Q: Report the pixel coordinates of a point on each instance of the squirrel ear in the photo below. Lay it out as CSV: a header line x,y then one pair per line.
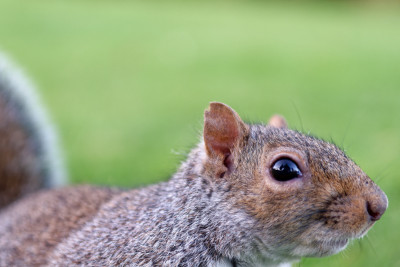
x,y
278,121
223,129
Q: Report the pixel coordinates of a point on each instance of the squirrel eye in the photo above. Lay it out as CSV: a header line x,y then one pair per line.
x,y
285,169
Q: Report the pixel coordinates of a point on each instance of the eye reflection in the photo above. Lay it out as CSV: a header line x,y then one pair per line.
x,y
285,169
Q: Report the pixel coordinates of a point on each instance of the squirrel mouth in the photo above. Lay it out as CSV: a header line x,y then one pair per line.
x,y
339,243
322,248
335,245
329,247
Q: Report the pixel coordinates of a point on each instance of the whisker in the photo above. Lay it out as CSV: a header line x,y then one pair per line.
x,y
298,115
346,131
360,244
300,263
371,245
384,172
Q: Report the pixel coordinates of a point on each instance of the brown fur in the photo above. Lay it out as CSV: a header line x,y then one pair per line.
x,y
18,160
51,217
222,206
29,158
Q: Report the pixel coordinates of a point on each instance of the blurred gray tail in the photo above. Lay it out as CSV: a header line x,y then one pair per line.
x,y
29,153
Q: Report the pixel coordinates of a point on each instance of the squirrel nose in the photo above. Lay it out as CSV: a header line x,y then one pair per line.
x,y
376,206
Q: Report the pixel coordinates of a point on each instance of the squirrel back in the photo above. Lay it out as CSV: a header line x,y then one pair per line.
x,y
29,156
247,195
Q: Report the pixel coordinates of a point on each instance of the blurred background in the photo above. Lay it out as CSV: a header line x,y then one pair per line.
x,y
126,83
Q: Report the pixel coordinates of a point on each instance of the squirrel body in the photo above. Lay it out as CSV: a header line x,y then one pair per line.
x,y
247,195
29,154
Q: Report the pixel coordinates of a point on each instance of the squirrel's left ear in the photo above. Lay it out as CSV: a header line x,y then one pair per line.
x,y
223,130
278,121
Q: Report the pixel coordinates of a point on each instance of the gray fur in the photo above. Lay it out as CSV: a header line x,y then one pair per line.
x,y
216,210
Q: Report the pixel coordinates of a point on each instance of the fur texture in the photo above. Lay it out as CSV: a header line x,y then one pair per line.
x,y
29,155
223,207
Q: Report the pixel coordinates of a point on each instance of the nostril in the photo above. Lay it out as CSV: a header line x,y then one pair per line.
x,y
375,211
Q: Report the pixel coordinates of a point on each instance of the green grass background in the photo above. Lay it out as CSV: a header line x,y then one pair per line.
x,y
126,83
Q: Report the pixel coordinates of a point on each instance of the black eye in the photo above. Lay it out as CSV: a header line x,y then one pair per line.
x,y
285,170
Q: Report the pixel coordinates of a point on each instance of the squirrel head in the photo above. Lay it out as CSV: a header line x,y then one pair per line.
x,y
304,196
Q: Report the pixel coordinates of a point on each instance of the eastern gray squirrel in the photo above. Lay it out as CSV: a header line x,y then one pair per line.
x,y
247,195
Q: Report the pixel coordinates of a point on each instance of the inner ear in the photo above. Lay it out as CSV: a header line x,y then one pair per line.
x,y
228,163
278,121
223,130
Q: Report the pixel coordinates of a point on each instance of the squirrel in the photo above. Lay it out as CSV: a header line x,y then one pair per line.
x,y
29,155
247,195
